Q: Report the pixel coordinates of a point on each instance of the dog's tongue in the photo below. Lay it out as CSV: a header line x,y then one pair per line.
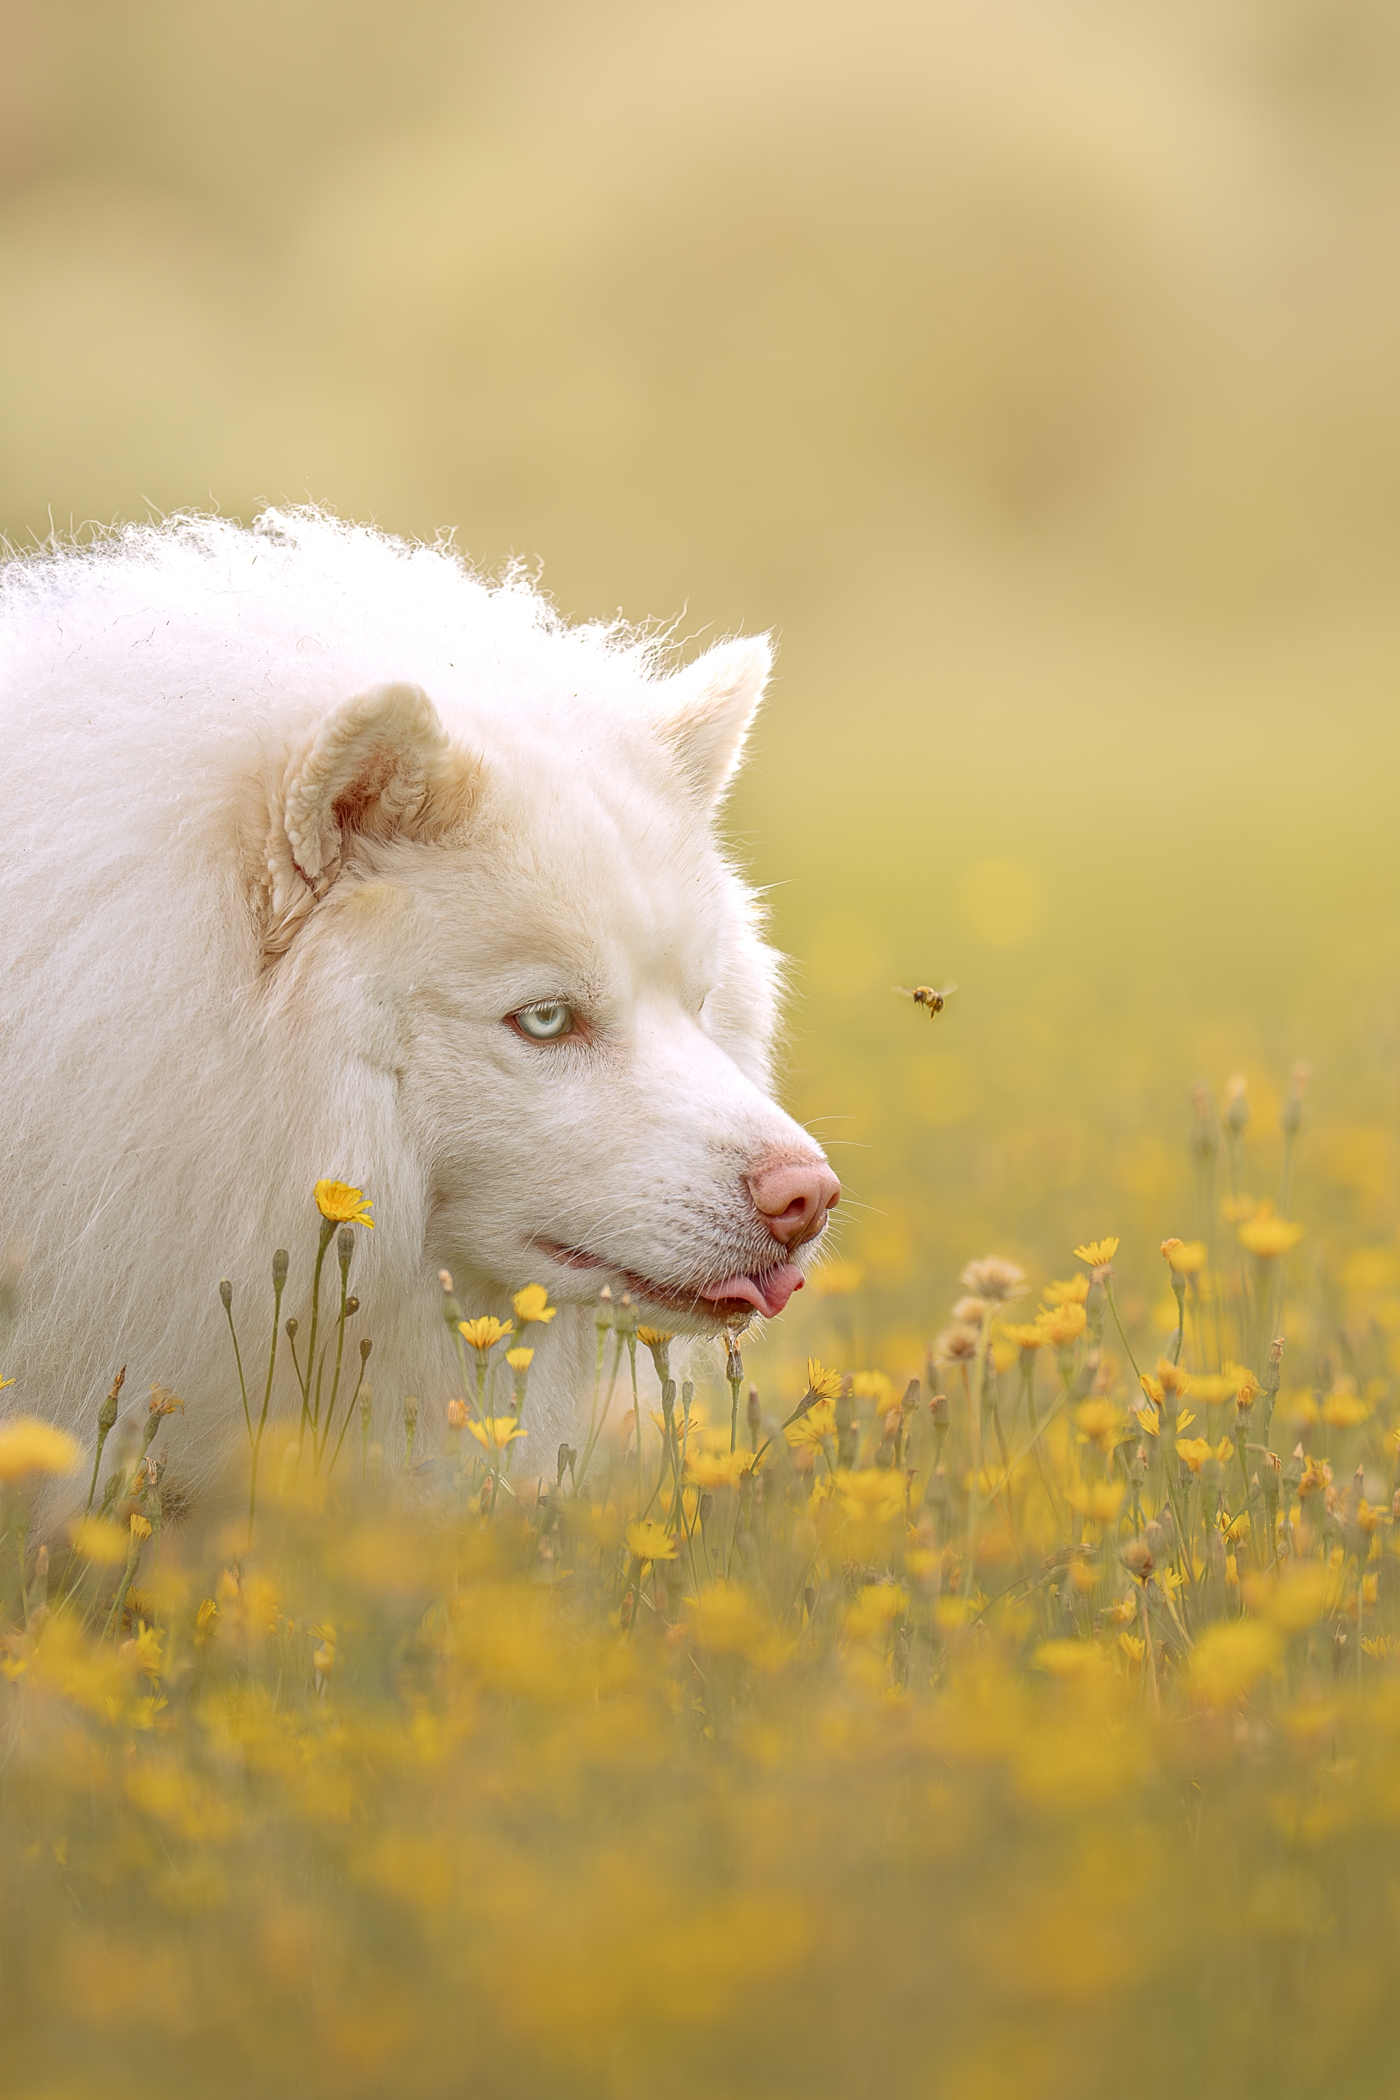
x,y
767,1293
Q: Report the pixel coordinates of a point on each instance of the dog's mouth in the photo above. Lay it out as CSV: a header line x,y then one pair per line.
x,y
765,1291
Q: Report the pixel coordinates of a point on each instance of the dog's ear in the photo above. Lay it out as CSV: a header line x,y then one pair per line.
x,y
379,766
707,710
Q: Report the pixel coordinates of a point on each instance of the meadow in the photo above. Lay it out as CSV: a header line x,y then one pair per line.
x,y
1028,1724
1004,1702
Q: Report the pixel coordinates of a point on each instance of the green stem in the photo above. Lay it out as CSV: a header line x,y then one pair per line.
x,y
595,1433
339,1356
279,1279
327,1230
238,1359
1118,1323
636,1413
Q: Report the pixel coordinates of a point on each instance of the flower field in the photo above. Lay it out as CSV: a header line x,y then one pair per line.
x,y
1025,1724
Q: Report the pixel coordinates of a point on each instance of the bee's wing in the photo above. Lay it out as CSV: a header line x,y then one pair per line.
x,y
946,991
905,991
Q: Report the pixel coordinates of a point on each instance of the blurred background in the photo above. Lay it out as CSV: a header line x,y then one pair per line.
x,y
1028,366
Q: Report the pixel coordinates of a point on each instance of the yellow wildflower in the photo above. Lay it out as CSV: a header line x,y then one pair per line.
x,y
712,1469
532,1305
143,1651
1317,1477
826,1384
1194,1450
484,1333
1268,1236
1170,1377
649,1337
140,1528
1123,1610
1068,1659
818,1422
1133,1646
1032,1337
876,1386
1062,1325
879,1492
456,1414
497,1431
649,1541
1146,1418
1215,1386
1099,1422
726,1620
837,1279
1099,1500
100,1541
1097,1253
1184,1257
1068,1290
1344,1410
1231,1656
520,1359
28,1445
876,1606
339,1204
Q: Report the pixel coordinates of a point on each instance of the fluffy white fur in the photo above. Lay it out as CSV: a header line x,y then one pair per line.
x,y
295,817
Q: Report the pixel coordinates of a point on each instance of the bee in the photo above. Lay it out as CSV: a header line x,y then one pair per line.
x,y
924,995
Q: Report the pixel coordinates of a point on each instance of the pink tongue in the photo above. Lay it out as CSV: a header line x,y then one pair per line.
x,y
768,1293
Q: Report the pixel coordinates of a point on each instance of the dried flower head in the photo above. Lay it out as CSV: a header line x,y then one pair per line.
x,y
456,1414
994,1279
1136,1557
340,1204
956,1345
971,1312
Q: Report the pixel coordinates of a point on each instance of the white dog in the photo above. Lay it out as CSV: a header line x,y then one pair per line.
x,y
323,858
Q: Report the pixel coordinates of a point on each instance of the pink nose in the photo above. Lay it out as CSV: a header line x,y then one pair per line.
x,y
793,1198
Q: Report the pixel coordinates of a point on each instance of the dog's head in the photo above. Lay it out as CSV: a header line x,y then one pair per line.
x,y
528,925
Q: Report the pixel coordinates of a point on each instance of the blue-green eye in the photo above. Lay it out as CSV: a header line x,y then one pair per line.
x,y
546,1022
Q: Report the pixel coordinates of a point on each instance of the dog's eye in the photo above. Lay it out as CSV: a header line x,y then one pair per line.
x,y
546,1022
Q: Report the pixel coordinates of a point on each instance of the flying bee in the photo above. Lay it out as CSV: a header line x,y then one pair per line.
x,y
924,995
